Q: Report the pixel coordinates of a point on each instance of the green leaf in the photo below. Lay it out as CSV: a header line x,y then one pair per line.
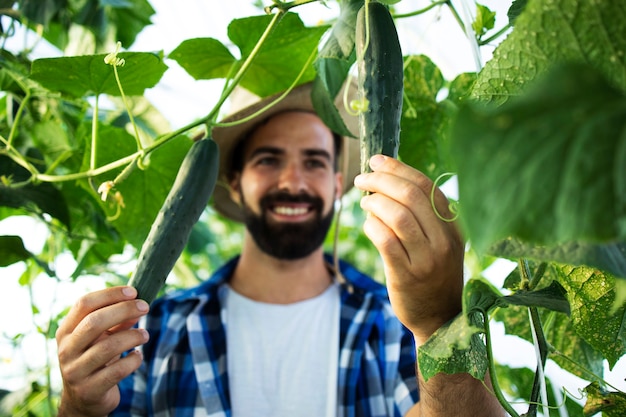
x,y
553,157
337,54
323,101
609,257
274,69
484,21
143,191
581,356
454,348
45,196
12,250
80,76
517,7
282,57
556,31
551,297
128,18
40,11
479,295
591,295
610,403
425,122
204,58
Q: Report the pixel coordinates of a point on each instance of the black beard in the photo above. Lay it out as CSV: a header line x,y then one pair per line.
x,y
287,241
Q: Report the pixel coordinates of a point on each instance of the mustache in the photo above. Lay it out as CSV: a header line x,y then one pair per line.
x,y
286,197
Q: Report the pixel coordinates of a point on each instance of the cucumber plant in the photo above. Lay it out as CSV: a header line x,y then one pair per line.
x,y
47,113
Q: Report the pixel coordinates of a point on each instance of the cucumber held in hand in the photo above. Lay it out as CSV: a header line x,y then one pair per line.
x,y
182,208
380,82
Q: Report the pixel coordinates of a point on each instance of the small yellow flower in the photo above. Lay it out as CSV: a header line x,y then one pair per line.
x,y
104,189
112,59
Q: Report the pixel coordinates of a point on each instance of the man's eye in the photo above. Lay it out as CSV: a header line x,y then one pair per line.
x,y
267,160
316,163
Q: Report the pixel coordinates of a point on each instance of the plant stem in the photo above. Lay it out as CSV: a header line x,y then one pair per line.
x,y
492,370
285,7
16,120
456,15
127,107
93,171
421,11
120,162
495,36
244,67
542,346
94,134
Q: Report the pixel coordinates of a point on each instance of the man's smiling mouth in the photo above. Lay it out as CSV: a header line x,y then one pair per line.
x,y
290,210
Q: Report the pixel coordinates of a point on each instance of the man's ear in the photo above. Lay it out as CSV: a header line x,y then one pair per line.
x,y
235,188
338,185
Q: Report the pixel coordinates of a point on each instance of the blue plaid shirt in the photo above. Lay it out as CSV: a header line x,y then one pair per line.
x,y
184,369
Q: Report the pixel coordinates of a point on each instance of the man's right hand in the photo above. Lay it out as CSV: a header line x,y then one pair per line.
x,y
91,340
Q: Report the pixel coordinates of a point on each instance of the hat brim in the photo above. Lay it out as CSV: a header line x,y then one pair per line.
x,y
299,99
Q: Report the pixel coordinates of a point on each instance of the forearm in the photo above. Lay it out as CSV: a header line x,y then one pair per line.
x,y
457,395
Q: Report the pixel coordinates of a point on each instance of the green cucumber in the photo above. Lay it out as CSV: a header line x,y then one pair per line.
x,y
380,82
182,208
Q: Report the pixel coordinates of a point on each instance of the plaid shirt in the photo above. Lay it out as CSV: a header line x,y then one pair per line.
x,y
184,369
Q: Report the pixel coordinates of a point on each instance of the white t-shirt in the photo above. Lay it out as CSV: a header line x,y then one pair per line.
x,y
282,359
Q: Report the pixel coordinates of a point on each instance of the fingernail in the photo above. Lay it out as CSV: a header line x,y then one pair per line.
x,y
376,161
144,334
142,305
129,292
358,180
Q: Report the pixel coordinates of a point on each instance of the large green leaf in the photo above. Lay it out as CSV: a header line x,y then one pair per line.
x,y
546,167
144,190
454,348
426,120
204,58
12,250
561,335
278,63
560,30
44,197
609,257
80,76
610,403
591,296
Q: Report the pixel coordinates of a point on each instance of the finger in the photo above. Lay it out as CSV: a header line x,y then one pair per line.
x,y
386,241
100,387
102,320
92,302
106,351
399,220
414,190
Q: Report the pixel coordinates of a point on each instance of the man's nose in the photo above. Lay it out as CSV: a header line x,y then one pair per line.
x,y
292,179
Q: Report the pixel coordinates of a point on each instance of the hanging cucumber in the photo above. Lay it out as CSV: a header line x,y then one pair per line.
x,y
380,82
182,208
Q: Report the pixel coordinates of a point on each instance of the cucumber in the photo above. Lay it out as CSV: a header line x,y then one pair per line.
x,y
182,208
380,82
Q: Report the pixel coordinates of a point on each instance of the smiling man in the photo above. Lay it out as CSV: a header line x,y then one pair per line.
x,y
277,331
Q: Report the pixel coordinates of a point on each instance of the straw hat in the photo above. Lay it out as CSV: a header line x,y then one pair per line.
x,y
244,104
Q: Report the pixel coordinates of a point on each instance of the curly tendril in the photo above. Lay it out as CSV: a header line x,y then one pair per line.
x,y
453,206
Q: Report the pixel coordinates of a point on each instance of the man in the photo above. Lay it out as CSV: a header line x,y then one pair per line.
x,y
277,331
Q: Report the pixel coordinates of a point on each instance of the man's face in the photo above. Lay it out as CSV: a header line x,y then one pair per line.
x,y
288,184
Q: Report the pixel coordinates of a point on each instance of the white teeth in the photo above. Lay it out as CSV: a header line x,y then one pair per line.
x,y
290,211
